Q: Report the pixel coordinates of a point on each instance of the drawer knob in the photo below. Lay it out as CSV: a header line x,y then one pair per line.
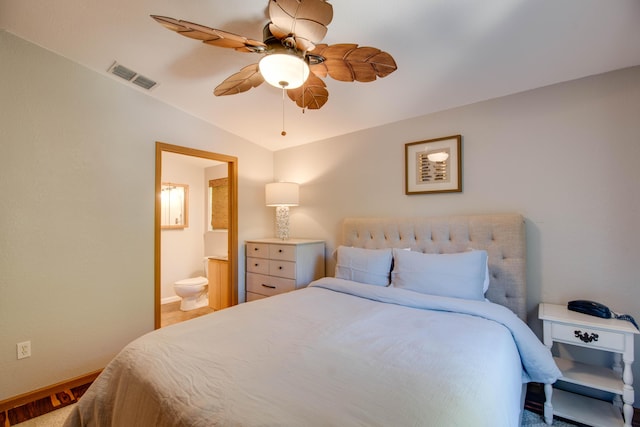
x,y
257,264
268,286
255,249
586,337
279,267
280,250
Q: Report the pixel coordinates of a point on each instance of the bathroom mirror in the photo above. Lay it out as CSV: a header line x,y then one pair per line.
x,y
174,205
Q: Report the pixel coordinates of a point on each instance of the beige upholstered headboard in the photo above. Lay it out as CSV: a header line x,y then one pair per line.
x,y
501,235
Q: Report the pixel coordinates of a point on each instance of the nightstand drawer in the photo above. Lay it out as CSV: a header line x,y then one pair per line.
x,y
268,285
282,252
282,269
588,337
258,265
258,250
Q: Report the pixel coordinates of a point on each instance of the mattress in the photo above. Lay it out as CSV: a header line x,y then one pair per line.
x,y
337,353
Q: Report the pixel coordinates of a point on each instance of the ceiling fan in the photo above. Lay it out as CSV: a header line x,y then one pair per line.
x,y
293,60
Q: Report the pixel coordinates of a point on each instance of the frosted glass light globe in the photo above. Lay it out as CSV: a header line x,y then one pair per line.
x,y
284,70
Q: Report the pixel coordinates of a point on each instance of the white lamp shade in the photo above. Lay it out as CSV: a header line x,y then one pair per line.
x,y
284,70
282,194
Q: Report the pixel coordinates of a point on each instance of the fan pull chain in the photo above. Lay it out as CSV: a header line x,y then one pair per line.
x,y
304,107
283,133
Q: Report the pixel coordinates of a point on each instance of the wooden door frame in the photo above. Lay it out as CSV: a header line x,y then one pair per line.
x,y
232,172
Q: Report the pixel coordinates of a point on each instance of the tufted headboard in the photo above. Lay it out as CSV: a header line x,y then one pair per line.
x,y
501,235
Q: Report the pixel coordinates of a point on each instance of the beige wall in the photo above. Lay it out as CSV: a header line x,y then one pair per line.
x,y
77,167
565,156
77,179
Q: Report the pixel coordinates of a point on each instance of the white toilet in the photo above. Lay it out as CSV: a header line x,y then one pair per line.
x,y
193,291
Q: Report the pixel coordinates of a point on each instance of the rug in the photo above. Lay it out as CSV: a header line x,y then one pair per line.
x,y
57,417
34,411
531,419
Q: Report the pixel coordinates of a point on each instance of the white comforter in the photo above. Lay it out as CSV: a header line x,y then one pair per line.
x,y
337,353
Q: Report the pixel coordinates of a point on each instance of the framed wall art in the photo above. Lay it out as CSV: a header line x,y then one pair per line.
x,y
433,166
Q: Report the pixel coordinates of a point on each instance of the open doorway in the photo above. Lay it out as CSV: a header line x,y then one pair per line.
x,y
230,285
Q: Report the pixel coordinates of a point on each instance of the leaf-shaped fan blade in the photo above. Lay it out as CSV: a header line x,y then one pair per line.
x,y
210,35
348,62
302,44
312,95
307,20
241,81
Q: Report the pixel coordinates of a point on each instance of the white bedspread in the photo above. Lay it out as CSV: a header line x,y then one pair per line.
x,y
322,356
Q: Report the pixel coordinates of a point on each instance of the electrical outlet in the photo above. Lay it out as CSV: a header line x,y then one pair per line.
x,y
23,349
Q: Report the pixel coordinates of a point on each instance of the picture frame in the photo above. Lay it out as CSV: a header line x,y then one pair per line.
x,y
433,165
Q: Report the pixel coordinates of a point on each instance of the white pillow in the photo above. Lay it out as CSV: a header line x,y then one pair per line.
x,y
371,266
487,278
459,275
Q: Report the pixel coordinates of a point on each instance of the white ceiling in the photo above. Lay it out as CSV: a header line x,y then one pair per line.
x,y
449,53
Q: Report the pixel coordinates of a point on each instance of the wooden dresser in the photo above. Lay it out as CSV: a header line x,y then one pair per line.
x,y
275,266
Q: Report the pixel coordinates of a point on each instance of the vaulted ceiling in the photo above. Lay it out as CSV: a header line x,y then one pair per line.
x,y
449,53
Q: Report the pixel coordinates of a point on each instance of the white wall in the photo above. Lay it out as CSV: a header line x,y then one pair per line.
x,y
565,156
77,167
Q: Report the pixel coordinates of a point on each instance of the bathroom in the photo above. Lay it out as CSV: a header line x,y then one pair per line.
x,y
188,238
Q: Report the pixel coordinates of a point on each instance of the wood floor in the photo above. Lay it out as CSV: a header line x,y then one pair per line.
x,y
57,400
170,313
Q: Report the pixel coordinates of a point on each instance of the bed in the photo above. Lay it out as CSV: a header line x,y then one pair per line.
x,y
422,325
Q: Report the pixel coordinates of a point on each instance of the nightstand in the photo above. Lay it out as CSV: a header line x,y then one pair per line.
x,y
275,266
610,335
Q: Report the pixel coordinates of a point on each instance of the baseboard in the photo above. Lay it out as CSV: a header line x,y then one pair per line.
x,y
168,300
41,393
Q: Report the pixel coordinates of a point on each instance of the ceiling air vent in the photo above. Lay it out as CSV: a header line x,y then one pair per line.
x,y
131,76
143,82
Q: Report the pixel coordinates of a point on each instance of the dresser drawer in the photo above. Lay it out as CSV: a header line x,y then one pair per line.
x,y
258,265
282,252
282,269
258,250
268,285
588,337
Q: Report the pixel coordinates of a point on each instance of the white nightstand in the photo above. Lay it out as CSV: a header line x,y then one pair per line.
x,y
611,335
275,266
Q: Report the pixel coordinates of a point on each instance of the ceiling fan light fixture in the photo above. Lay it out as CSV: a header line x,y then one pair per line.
x,y
284,69
291,50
